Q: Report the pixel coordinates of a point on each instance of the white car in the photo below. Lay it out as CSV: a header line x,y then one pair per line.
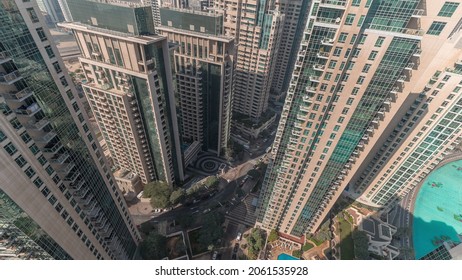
x,y
215,254
239,236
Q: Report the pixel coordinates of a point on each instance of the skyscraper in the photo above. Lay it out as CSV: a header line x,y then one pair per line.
x,y
256,27
295,14
203,66
58,198
355,68
129,86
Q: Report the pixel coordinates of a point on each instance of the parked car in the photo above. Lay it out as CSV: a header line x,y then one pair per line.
x,y
236,247
214,256
239,236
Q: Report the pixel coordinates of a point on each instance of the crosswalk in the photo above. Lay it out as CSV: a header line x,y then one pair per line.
x,y
244,212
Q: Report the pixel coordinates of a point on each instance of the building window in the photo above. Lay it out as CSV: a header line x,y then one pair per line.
x,y
33,16
373,55
361,20
10,149
25,137
436,28
349,19
42,160
38,182
49,51
15,123
342,37
34,149
379,41
356,3
2,136
20,161
57,67
63,81
30,172
448,9
41,34
366,68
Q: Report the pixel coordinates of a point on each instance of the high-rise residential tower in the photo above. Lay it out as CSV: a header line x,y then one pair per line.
x,y
58,198
203,75
360,65
256,27
295,14
129,86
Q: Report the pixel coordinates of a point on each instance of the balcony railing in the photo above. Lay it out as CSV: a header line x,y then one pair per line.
x,y
10,77
20,95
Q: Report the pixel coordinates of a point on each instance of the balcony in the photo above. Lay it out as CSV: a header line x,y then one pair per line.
x,y
417,53
4,57
20,96
68,169
28,110
47,137
78,186
314,79
37,124
72,177
410,66
331,22
418,13
60,158
311,89
401,30
52,148
327,42
304,108
323,55
333,4
10,78
319,67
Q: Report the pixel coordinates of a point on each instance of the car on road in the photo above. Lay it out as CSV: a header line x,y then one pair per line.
x,y
214,256
195,212
234,257
236,247
206,211
239,236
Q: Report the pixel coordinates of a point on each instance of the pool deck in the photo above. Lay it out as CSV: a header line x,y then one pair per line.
x,y
409,202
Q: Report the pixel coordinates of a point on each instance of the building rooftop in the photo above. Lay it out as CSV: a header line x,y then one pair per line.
x,y
125,174
140,39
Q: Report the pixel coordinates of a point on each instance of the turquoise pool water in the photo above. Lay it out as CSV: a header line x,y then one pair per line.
x,y
285,257
438,209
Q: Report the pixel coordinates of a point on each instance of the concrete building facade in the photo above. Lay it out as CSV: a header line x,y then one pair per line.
x,y
129,87
58,198
203,67
256,27
359,66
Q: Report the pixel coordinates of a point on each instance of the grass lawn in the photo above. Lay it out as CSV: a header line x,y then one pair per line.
x,y
307,246
316,241
346,243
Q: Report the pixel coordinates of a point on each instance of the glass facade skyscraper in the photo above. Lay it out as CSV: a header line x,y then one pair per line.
x,y
128,83
356,71
53,174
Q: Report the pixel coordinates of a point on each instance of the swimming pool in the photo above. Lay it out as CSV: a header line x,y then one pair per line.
x,y
438,209
286,257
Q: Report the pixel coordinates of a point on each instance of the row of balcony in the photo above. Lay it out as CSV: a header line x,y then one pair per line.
x,y
10,78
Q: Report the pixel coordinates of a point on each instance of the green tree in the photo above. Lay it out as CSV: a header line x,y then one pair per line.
x,y
273,236
154,247
159,192
297,253
211,230
185,221
361,245
211,181
254,174
177,196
